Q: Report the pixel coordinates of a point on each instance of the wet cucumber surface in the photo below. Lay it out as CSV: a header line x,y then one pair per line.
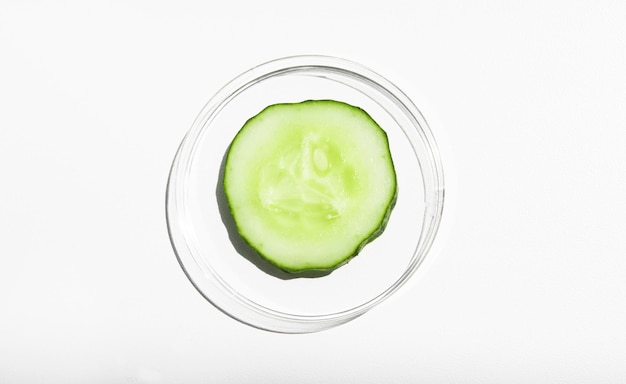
x,y
309,184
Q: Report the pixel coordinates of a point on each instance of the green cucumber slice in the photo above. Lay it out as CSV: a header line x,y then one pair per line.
x,y
309,184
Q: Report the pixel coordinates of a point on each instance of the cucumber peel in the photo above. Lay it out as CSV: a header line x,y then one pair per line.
x,y
309,184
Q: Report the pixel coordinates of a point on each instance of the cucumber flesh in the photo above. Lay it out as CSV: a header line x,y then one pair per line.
x,y
309,184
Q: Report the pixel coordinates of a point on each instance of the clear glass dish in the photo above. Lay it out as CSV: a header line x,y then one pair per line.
x,y
202,233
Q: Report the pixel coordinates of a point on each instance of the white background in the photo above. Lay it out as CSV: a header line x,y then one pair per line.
x,y
527,283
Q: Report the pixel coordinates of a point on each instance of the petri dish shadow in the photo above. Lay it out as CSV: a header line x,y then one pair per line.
x,y
242,247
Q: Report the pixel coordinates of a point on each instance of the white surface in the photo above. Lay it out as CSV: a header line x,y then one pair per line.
x,y
528,101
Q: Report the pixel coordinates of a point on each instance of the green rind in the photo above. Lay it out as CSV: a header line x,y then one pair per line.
x,y
364,240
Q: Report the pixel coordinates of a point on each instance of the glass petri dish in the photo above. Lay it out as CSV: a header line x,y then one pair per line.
x,y
216,260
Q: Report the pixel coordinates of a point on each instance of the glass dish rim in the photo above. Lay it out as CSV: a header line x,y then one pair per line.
x,y
244,309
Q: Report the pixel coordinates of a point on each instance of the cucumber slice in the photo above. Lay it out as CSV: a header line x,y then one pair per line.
x,y
310,184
